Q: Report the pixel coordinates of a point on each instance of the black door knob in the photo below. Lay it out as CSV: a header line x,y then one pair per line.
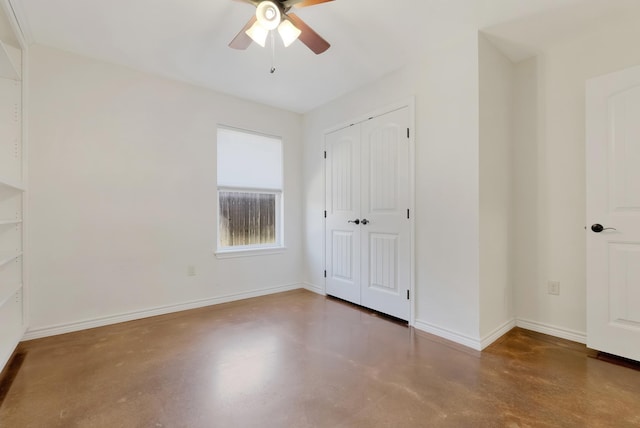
x,y
365,221
597,228
356,221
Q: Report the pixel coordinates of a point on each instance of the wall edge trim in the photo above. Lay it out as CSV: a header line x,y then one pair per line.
x,y
498,333
444,333
314,288
552,330
58,329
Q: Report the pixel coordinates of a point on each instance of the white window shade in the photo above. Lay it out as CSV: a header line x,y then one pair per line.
x,y
249,160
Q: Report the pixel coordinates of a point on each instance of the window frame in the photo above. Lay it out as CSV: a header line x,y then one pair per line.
x,y
256,249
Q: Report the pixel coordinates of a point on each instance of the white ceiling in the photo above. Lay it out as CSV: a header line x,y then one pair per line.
x,y
188,39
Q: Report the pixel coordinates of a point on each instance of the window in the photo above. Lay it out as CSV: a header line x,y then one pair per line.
x,y
249,191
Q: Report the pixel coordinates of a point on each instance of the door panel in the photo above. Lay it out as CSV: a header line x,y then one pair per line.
x,y
386,237
624,269
342,255
341,169
342,241
624,111
613,200
383,266
383,169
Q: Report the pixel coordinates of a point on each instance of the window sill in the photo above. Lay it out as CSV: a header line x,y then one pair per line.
x,y
249,252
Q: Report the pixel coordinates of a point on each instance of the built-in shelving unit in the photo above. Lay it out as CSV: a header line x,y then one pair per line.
x,y
10,62
11,184
12,192
7,258
3,222
8,291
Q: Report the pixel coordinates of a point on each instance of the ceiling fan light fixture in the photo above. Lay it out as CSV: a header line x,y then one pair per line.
x,y
288,32
275,14
268,15
258,33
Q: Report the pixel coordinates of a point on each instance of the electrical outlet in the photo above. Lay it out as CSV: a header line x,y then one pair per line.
x,y
553,287
191,271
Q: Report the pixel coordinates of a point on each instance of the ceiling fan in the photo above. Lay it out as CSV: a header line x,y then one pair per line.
x,y
274,14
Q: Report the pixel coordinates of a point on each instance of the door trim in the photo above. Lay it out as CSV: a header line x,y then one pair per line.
x,y
408,103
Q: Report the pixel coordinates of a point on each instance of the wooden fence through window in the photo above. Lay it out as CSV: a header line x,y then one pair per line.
x,y
247,218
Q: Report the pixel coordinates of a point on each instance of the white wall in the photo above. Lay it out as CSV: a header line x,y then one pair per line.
x,y
462,277
123,192
496,214
551,174
527,157
122,186
445,86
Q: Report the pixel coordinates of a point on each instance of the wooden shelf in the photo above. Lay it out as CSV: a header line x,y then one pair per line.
x,y
7,257
9,62
12,184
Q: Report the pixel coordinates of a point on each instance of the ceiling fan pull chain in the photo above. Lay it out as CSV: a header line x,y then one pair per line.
x,y
273,54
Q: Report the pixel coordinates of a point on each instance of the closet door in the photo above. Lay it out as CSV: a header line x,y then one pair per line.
x,y
385,241
342,230
368,231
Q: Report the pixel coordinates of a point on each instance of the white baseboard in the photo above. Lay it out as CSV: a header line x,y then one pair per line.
x,y
314,288
453,336
6,357
54,330
552,330
497,333
470,342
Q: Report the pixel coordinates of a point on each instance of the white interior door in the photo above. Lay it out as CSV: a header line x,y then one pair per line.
x,y
368,230
613,201
342,233
385,225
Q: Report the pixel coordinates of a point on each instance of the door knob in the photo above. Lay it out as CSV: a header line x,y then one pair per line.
x,y
597,228
356,221
365,221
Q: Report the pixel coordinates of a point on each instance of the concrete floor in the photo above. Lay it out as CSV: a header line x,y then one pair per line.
x,y
301,360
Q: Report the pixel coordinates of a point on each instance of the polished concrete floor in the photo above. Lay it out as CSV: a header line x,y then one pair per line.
x,y
301,360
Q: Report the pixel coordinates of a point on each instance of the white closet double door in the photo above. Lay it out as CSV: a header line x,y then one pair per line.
x,y
368,230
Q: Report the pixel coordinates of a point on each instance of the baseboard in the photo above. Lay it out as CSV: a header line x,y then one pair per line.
x,y
497,333
4,359
41,332
563,333
314,288
453,336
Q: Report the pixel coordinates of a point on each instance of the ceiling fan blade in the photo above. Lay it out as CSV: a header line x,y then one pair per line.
x,y
309,37
242,41
302,3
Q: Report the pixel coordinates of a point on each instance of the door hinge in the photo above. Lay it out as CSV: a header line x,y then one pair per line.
x,y
407,294
408,215
407,132
325,213
325,273
325,154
